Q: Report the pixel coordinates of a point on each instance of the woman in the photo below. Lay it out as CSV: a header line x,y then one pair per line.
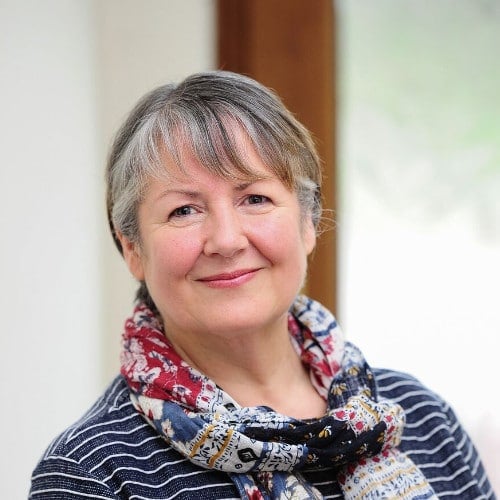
x,y
232,385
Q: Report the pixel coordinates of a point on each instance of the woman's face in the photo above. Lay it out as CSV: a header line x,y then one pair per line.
x,y
220,257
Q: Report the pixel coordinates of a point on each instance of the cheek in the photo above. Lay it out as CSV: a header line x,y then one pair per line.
x,y
280,240
171,257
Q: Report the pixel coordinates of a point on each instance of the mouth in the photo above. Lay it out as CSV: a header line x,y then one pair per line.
x,y
229,280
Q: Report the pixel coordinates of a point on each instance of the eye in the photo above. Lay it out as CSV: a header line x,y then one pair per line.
x,y
257,199
183,211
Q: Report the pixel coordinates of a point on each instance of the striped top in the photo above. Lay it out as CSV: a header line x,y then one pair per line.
x,y
112,453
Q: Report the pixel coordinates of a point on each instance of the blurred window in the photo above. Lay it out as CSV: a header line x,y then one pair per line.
x,y
419,212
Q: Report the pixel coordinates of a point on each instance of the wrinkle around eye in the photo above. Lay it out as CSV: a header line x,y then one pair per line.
x,y
258,204
183,211
184,215
257,199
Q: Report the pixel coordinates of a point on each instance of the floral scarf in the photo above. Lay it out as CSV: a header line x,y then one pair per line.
x,y
262,450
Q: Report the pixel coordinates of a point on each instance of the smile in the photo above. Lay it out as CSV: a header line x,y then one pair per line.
x,y
229,280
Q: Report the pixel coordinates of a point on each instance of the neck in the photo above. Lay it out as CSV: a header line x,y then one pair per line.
x,y
257,369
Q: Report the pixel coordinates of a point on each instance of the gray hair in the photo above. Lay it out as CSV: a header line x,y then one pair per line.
x,y
201,114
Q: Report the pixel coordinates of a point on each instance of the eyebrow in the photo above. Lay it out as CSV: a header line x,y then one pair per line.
x,y
194,194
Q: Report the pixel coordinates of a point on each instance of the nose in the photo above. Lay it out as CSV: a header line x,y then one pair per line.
x,y
225,234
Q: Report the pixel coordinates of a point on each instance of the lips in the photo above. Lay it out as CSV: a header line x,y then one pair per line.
x,y
229,279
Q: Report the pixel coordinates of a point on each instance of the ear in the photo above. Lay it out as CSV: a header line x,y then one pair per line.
x,y
133,256
309,235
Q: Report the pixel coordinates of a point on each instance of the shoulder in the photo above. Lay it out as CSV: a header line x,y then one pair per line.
x,y
112,452
405,389
434,438
112,415
428,416
74,462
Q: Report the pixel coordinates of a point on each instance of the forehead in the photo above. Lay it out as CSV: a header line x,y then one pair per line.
x,y
236,161
193,179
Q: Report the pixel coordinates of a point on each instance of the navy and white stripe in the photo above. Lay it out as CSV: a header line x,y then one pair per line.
x,y
112,453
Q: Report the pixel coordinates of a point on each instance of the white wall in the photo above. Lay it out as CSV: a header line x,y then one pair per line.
x,y
69,72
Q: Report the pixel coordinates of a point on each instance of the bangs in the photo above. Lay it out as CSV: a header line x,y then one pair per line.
x,y
214,139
